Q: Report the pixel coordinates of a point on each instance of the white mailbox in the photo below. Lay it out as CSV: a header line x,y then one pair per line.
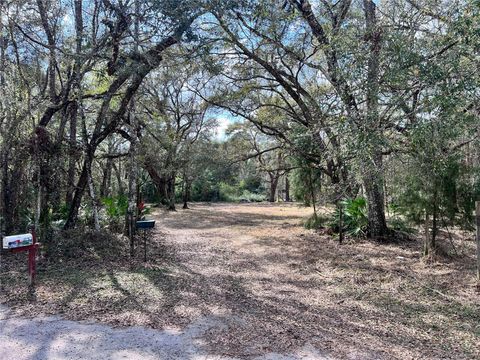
x,y
16,241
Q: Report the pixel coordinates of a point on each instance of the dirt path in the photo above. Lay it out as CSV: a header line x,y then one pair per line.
x,y
56,338
246,281
207,250
249,266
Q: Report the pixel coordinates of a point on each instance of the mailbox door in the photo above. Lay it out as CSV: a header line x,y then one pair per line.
x,y
16,241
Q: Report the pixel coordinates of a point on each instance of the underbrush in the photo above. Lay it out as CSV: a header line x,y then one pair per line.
x,y
400,225
86,244
73,267
230,193
316,222
248,196
111,214
351,216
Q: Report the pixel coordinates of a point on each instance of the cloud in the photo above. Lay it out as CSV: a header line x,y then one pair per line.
x,y
222,124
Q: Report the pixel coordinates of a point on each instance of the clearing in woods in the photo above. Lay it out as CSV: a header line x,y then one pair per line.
x,y
246,281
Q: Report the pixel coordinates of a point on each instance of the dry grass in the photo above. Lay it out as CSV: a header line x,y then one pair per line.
x,y
268,285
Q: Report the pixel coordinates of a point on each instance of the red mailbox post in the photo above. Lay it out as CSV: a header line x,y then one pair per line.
x,y
32,253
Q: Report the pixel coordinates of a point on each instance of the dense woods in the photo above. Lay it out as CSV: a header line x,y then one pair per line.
x,y
363,116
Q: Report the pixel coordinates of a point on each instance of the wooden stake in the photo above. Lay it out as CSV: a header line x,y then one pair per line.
x,y
477,217
145,245
340,226
427,248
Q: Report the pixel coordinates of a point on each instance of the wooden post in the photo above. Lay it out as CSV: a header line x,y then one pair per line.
x,y
32,266
427,245
312,192
145,245
340,225
477,220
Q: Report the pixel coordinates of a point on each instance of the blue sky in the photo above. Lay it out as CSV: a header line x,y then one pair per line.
x,y
224,119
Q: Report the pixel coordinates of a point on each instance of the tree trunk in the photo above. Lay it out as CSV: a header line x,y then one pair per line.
x,y
130,219
186,193
372,159
159,181
72,151
118,175
287,189
170,190
107,179
73,108
132,209
373,183
9,215
80,189
273,187
55,184
91,188
4,195
131,216
105,188
43,149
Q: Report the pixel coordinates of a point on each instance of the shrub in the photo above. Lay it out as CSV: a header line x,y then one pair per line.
x,y
400,225
233,193
355,220
115,210
115,206
315,222
248,196
227,192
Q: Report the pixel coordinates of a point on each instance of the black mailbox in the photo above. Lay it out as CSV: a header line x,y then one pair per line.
x,y
145,224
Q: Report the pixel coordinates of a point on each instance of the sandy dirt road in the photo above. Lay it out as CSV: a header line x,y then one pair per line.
x,y
59,339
